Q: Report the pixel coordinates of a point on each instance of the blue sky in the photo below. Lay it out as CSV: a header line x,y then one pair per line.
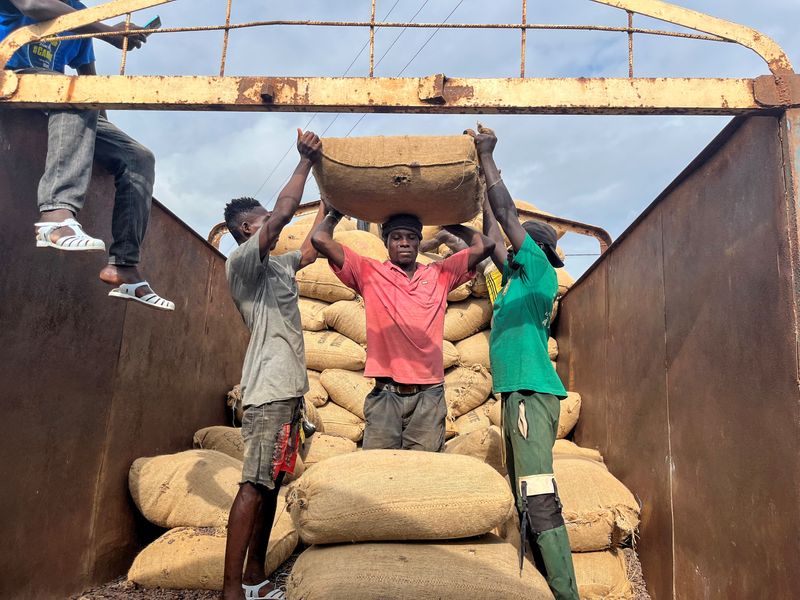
x,y
602,170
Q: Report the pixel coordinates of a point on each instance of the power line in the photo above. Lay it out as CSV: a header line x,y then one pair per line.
x,y
402,31
314,116
421,48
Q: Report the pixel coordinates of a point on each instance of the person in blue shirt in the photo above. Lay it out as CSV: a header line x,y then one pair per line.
x,y
75,139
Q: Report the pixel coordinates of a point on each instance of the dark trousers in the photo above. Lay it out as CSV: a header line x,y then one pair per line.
x,y
405,421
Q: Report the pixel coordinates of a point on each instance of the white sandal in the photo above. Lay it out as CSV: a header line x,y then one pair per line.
x,y
127,291
251,592
76,242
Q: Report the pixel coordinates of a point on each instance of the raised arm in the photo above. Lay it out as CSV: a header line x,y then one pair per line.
x,y
307,250
309,147
322,238
44,10
479,246
492,230
499,199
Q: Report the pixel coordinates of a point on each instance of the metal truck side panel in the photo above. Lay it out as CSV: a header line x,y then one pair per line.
x,y
90,383
718,377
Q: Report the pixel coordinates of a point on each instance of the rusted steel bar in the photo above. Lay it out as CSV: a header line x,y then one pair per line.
x,y
372,42
225,39
630,44
524,36
601,235
124,59
365,94
80,18
379,24
765,47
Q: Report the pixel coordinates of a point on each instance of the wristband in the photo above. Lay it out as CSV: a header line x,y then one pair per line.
x,y
494,183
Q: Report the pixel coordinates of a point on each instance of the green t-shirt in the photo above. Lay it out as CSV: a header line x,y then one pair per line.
x,y
521,325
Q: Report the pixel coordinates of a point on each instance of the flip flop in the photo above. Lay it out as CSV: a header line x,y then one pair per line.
x,y
251,592
79,241
127,291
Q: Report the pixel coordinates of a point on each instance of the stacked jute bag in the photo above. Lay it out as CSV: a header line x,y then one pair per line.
x,y
425,525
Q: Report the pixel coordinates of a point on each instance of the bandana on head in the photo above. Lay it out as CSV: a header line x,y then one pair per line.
x,y
409,222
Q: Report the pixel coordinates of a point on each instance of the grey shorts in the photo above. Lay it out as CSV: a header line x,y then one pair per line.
x,y
405,421
271,434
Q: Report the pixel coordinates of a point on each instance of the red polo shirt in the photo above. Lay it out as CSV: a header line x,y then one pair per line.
x,y
405,317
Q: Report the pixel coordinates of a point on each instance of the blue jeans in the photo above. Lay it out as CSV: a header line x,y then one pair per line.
x,y
75,139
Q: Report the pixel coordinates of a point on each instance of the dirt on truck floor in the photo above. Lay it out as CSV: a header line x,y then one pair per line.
x,y
122,588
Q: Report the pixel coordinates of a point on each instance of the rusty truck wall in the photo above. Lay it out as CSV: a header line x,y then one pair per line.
x,y
682,340
89,383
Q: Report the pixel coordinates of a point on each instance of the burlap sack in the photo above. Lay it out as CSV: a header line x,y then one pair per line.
x,y
565,281
478,286
192,489
321,446
364,243
227,440
466,388
312,414
316,394
332,350
194,558
457,295
568,416
570,411
483,444
435,178
312,317
552,348
567,448
294,234
450,356
474,350
349,318
602,575
318,281
481,569
600,512
465,318
495,413
380,495
348,389
339,421
472,421
522,205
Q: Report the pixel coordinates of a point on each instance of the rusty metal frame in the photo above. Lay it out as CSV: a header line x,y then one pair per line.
x,y
434,94
601,235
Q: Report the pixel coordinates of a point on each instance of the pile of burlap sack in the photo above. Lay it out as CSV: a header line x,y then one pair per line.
x,y
382,523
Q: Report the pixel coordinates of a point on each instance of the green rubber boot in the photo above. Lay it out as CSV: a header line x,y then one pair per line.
x,y
557,557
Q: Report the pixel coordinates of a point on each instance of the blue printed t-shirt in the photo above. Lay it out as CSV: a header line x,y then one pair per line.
x,y
521,324
53,56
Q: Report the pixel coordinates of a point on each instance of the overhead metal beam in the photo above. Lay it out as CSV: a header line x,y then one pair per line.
x,y
748,37
435,94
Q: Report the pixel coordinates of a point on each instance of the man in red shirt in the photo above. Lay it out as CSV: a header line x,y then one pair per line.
x,y
405,303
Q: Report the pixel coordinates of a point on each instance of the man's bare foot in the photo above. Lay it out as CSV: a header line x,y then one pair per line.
x,y
233,593
118,274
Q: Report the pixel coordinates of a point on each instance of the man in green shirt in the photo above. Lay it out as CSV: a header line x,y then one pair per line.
x,y
522,371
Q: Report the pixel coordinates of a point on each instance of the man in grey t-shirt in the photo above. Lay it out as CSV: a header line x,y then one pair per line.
x,y
274,372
